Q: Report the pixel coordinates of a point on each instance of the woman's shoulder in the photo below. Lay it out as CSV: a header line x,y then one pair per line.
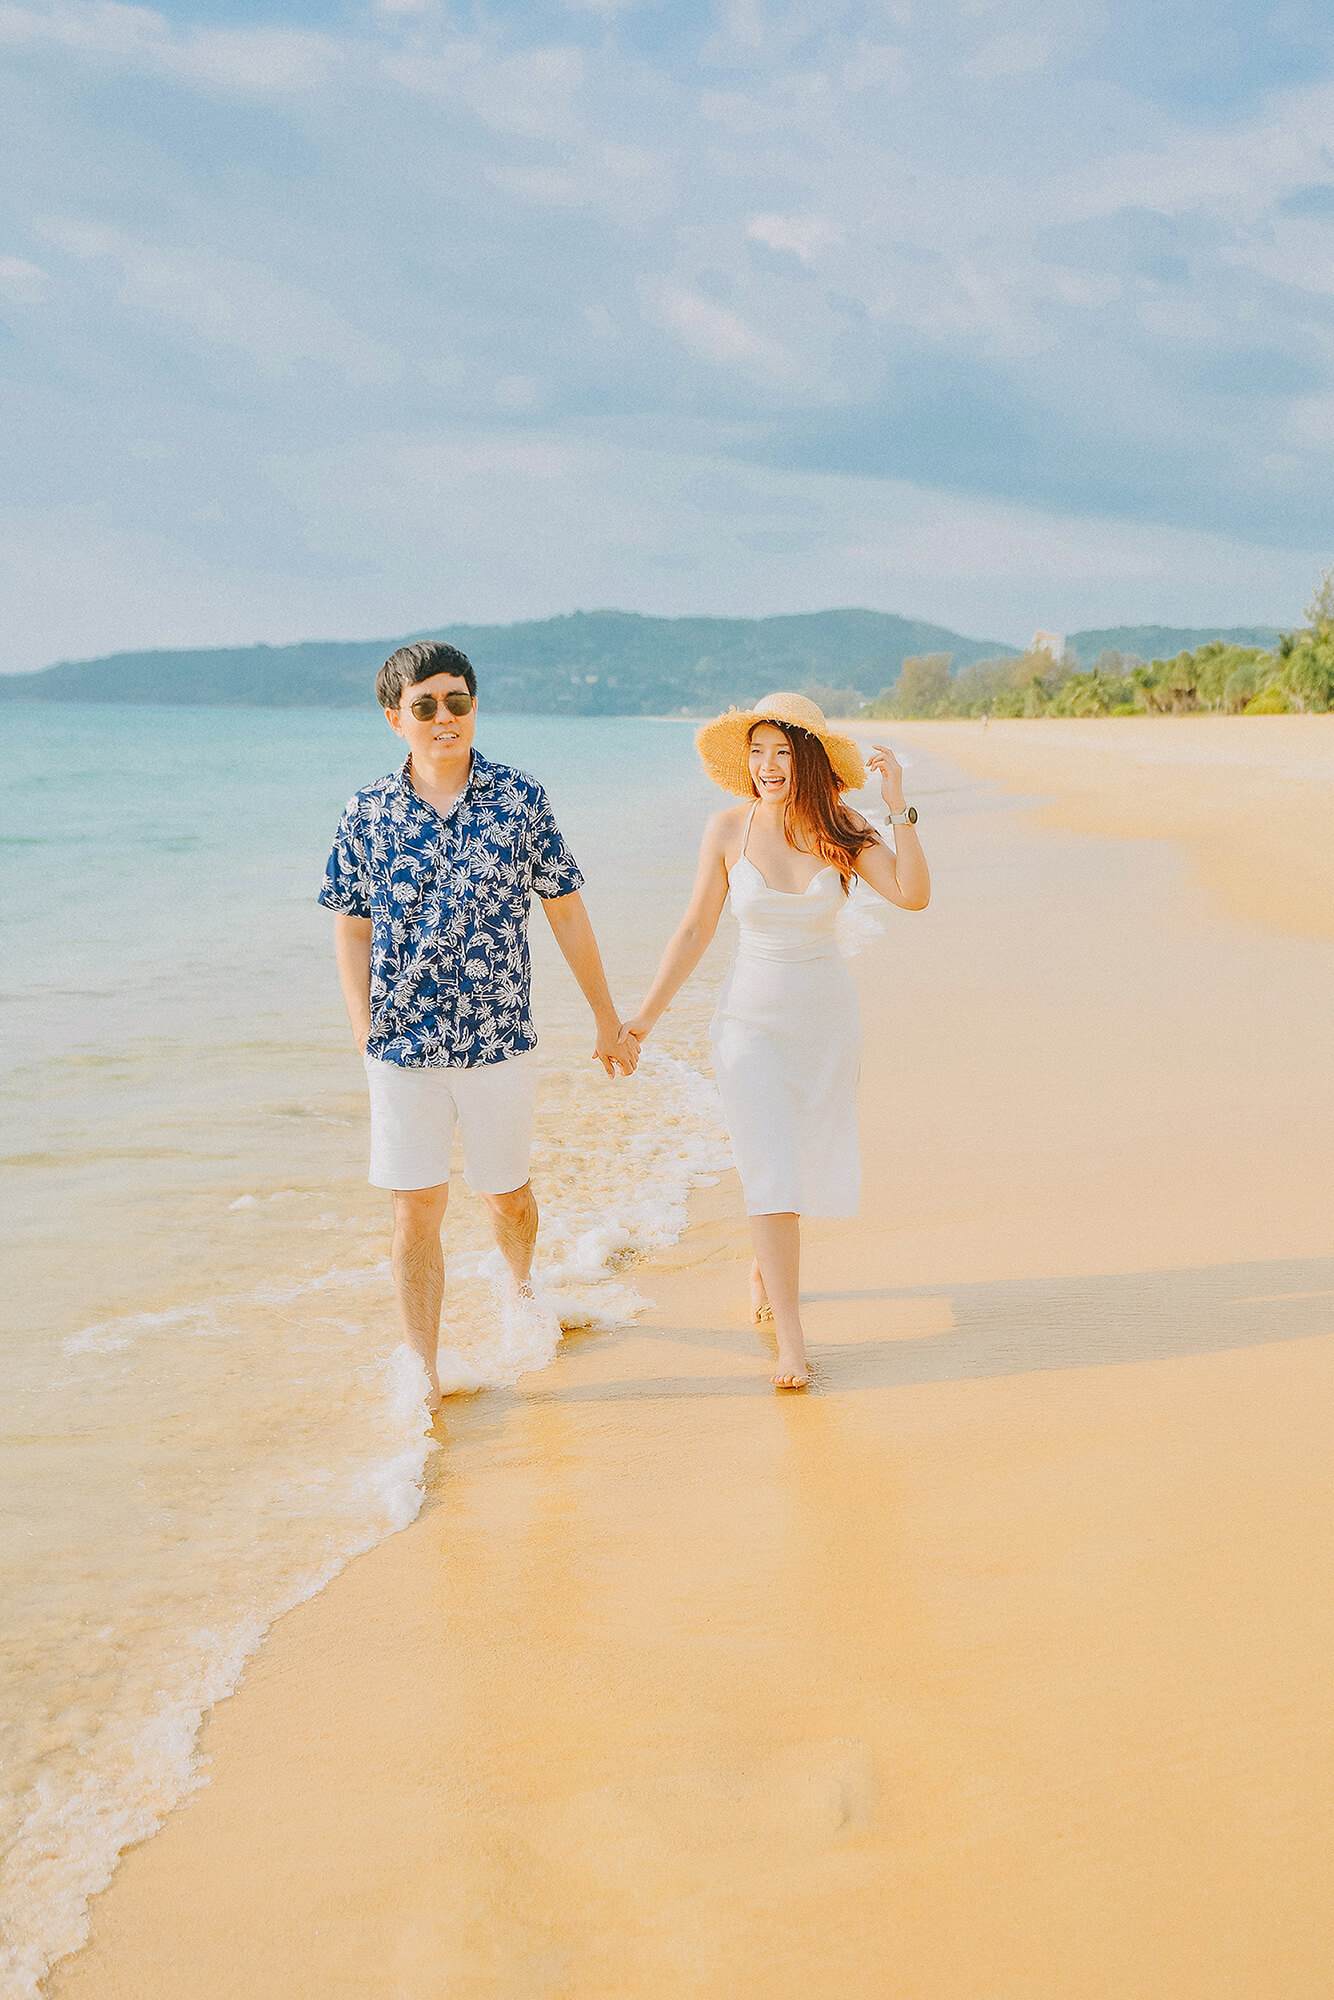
x,y
724,825
721,842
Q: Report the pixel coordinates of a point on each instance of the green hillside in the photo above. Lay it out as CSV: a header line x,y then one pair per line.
x,y
589,663
1164,642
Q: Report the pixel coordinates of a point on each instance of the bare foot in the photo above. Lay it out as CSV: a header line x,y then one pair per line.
x,y
791,1371
761,1312
433,1395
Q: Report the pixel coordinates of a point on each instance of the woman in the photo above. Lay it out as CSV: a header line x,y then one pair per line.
x,y
786,1034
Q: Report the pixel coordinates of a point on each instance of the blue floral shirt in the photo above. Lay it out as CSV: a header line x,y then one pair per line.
x,y
448,901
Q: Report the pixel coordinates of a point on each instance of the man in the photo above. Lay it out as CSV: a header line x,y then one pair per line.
x,y
430,881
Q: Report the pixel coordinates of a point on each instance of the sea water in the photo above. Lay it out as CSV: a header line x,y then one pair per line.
x,y
206,1408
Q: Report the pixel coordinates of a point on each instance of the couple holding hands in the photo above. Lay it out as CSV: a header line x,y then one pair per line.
x,y
430,881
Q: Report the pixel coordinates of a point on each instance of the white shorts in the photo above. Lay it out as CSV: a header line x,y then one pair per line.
x,y
413,1112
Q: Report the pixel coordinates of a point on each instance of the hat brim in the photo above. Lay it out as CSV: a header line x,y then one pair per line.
x,y
724,748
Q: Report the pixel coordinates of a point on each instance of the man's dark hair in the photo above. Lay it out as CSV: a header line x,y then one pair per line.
x,y
411,664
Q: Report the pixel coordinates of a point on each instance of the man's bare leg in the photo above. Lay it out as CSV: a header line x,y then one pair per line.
x,y
418,1264
514,1222
777,1241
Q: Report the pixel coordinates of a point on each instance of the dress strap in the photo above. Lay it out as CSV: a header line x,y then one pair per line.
x,y
746,835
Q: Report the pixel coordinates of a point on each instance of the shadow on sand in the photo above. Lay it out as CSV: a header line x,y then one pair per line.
x,y
1019,1327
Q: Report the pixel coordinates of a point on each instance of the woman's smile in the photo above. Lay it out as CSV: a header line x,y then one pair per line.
x,y
770,762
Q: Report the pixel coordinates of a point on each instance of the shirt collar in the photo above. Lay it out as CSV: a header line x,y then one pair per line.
x,y
481,776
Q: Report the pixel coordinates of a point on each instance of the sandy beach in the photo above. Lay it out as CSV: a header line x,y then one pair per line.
x,y
992,1669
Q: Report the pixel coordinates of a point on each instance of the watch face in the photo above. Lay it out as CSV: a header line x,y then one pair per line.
x,y
912,815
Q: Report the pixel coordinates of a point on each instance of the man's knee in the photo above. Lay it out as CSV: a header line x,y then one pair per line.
x,y
418,1211
515,1206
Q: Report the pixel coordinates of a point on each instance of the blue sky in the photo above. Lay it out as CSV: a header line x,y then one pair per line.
x,y
343,321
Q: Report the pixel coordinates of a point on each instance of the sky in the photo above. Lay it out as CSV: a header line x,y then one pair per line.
x,y
342,321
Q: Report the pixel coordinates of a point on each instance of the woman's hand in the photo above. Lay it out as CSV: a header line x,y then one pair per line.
x,y
638,1027
618,1056
883,760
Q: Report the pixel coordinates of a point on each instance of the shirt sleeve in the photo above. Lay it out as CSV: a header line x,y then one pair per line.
x,y
346,888
554,870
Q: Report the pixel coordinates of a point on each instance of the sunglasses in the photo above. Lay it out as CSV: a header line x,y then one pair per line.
x,y
426,705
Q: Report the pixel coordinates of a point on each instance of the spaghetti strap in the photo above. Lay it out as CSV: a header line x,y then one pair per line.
x,y
746,835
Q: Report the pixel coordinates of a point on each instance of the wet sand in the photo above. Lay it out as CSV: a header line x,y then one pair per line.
x,y
992,1669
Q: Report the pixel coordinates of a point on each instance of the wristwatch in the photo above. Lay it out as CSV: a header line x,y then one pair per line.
x,y
908,817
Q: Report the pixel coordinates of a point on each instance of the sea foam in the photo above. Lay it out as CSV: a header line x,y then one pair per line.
x,y
298,1453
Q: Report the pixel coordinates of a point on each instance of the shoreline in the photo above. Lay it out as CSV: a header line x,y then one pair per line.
x,y
1001,1655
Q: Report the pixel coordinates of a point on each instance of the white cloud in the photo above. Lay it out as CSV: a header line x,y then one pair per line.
x,y
23,282
627,183
438,72
1010,55
1238,172
1310,423
252,60
1089,290
605,10
229,303
517,393
531,94
1178,320
800,100
1297,251
406,532
457,223
716,334
803,236
876,66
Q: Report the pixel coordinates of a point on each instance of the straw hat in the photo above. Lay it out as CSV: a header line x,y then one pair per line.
x,y
724,744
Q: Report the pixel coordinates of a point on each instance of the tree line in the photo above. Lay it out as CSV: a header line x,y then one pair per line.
x,y
1295,677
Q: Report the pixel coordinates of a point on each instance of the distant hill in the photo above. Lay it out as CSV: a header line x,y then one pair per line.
x,y
1164,642
589,663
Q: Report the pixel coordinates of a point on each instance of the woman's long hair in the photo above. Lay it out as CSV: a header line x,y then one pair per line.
x,y
815,812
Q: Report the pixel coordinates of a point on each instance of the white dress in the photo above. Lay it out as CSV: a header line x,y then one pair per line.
x,y
787,1047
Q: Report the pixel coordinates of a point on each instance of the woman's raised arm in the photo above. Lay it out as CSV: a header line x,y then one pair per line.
x,y
897,873
694,934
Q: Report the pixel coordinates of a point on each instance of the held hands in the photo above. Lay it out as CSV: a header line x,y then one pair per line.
x,y
883,760
625,1049
617,1051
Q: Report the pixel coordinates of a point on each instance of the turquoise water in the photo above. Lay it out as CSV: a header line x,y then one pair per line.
x,y
159,865
206,1407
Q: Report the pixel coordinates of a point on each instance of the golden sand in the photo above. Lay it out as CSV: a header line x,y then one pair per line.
x,y
994,1669
1250,797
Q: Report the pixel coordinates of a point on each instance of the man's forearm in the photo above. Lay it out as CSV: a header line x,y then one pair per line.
x,y
573,931
352,949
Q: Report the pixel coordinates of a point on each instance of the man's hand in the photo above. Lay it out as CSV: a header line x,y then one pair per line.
x,y
352,948
616,1051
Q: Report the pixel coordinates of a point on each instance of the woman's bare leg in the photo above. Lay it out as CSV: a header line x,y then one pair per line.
x,y
777,1241
759,1298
